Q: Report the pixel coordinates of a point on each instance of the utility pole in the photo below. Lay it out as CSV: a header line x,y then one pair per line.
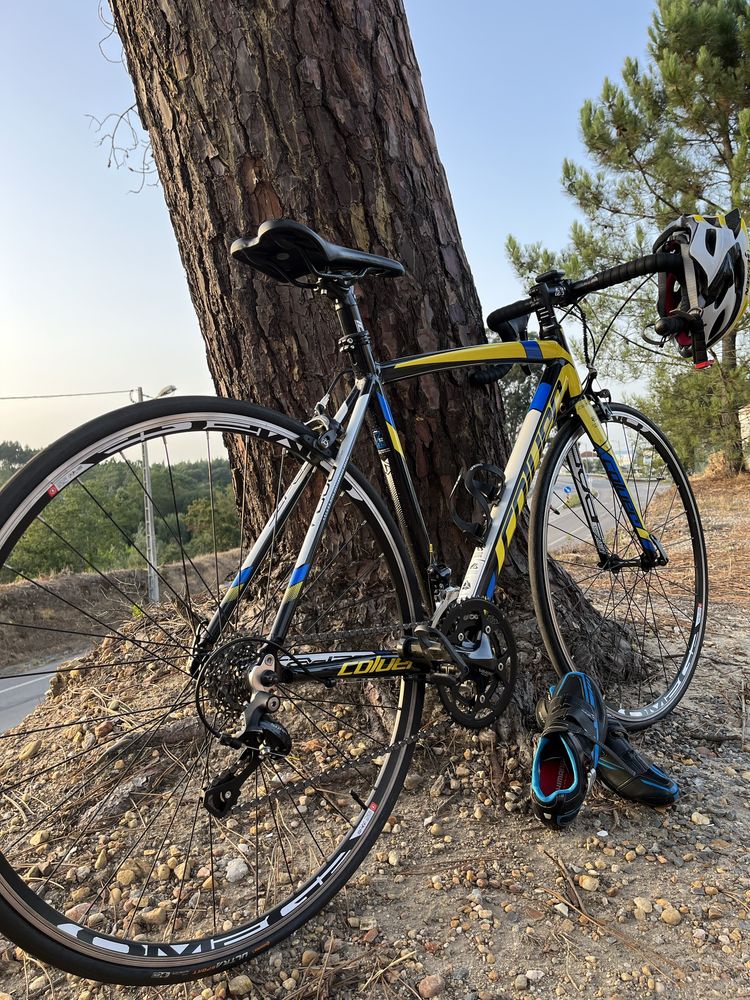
x,y
148,514
148,507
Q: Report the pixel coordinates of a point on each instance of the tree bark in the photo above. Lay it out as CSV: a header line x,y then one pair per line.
x,y
730,417
316,112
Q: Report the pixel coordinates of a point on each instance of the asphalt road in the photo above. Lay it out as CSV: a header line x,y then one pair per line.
x,y
19,695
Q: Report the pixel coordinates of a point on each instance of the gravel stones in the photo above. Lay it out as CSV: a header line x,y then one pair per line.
x,y
431,986
671,916
240,986
236,870
589,883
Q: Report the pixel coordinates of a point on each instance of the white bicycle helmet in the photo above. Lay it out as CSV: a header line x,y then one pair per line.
x,y
715,252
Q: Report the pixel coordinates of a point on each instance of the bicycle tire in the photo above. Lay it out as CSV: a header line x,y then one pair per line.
x,y
30,920
636,607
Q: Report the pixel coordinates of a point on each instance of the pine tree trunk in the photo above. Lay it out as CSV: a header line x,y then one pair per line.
x,y
730,417
315,112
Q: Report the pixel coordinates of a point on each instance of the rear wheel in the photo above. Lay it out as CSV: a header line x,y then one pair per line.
x,y
111,866
638,630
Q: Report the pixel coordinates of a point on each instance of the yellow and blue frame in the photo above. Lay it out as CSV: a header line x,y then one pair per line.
x,y
558,394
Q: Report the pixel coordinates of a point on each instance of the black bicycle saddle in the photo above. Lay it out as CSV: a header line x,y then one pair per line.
x,y
287,251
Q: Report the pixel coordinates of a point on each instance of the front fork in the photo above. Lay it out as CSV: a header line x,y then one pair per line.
x,y
652,553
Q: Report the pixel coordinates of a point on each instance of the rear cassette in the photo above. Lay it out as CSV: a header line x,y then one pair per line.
x,y
484,640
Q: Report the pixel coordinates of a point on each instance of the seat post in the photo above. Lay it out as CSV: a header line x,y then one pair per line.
x,y
355,340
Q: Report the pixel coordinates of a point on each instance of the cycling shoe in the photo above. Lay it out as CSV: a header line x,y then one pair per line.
x,y
623,769
573,719
631,775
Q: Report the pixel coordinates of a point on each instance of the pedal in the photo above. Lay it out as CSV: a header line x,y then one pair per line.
x,y
432,645
484,483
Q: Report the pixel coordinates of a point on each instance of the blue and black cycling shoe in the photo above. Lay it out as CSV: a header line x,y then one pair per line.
x,y
573,719
623,769
630,774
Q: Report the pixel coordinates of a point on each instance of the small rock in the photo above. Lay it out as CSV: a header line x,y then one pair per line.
x,y
154,918
394,859
39,983
521,982
308,957
562,909
240,986
671,916
436,829
431,986
643,903
39,838
534,975
182,871
28,751
289,984
236,870
588,882
699,819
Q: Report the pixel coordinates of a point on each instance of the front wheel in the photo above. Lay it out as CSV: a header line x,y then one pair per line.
x,y
639,631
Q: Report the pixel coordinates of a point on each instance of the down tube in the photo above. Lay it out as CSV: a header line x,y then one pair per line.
x,y
487,561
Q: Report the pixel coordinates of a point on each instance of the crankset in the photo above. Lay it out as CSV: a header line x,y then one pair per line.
x,y
477,693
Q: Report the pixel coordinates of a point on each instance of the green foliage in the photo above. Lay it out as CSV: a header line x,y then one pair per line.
x,y
12,457
98,519
517,390
692,411
669,138
217,524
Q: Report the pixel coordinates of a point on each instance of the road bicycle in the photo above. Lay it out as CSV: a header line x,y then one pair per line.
x,y
214,766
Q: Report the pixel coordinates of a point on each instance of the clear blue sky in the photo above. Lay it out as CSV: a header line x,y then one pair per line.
x,y
92,293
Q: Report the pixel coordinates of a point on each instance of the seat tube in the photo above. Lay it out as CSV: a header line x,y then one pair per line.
x,y
355,339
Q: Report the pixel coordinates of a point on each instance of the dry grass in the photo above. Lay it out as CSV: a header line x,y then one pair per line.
x,y
723,501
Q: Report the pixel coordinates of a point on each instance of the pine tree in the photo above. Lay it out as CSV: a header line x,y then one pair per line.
x,y
670,138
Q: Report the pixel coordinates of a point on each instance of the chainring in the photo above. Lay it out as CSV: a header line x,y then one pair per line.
x,y
475,626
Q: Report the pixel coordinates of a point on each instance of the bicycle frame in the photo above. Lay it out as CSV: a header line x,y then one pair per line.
x,y
559,390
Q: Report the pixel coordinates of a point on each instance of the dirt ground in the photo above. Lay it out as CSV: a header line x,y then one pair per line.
x,y
467,897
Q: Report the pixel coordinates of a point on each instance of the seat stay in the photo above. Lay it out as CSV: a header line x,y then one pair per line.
x,y
270,532
359,402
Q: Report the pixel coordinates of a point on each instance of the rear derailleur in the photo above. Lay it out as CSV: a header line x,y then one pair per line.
x,y
259,735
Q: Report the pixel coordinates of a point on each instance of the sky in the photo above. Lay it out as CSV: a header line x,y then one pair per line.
x,y
93,297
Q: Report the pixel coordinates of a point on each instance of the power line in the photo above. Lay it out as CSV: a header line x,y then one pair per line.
x,y
67,395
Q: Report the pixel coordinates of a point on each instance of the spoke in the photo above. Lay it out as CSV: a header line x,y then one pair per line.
x,y
85,721
279,779
213,514
109,581
87,776
345,724
127,537
177,538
